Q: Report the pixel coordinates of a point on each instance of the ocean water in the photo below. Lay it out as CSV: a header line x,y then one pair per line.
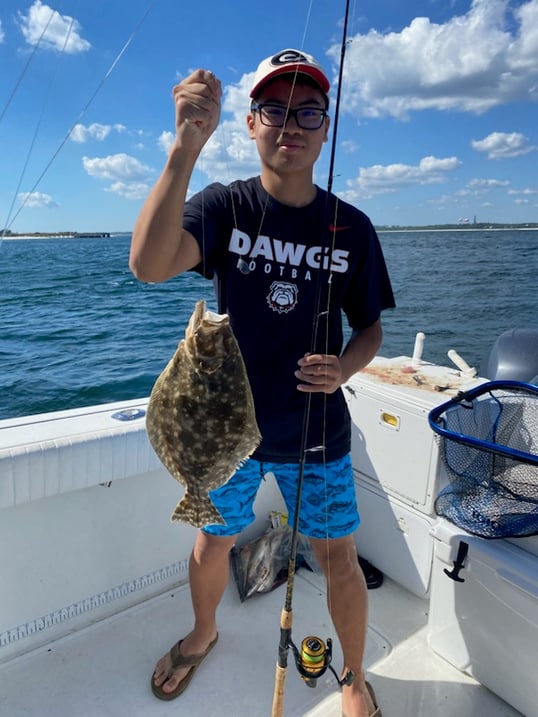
x,y
77,329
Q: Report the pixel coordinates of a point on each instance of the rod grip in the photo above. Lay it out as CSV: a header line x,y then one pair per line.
x,y
278,694
286,619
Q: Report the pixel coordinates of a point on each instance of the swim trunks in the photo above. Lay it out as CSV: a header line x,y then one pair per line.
x,y
328,503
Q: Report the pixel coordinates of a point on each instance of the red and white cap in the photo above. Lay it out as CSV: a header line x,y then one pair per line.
x,y
289,62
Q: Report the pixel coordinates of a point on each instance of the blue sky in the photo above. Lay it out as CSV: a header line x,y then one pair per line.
x,y
438,122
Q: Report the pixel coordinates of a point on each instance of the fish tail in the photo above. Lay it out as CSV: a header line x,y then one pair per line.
x,y
198,511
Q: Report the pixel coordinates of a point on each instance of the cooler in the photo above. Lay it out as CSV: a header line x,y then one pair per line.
x,y
397,466
395,538
485,622
393,447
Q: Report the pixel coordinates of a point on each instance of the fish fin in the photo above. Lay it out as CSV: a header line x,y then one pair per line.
x,y
198,511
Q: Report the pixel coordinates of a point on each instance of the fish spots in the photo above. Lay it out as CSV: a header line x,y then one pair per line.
x,y
201,420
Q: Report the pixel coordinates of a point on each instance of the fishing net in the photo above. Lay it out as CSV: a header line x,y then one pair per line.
x,y
489,443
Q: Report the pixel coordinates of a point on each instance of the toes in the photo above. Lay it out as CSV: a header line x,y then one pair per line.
x,y
172,681
169,685
162,670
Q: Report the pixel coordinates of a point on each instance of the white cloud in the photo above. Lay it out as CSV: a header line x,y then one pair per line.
x,y
230,153
481,187
384,179
51,30
487,183
130,190
527,191
81,133
502,145
117,167
349,146
130,178
470,63
165,141
36,200
2,34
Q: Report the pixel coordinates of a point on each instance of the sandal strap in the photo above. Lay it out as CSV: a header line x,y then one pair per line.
x,y
180,660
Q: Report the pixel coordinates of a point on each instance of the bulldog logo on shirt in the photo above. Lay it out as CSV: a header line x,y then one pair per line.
x,y
282,296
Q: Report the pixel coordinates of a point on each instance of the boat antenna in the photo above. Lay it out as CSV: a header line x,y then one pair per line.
x,y
314,657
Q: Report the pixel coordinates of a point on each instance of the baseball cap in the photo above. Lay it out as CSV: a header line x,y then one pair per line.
x,y
286,62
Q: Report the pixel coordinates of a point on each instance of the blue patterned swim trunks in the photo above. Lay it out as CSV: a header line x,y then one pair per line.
x,y
328,504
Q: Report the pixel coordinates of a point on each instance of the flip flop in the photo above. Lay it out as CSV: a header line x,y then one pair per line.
x,y
179,660
377,711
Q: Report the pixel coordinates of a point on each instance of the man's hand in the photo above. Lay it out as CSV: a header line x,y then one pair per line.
x,y
197,99
319,373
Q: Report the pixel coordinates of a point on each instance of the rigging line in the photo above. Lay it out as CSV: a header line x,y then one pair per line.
x,y
286,617
39,121
266,202
28,62
86,107
338,98
333,237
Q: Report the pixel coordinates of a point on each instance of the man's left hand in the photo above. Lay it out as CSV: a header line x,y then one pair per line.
x,y
319,373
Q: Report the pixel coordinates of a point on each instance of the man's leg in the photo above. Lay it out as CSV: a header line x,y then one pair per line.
x,y
208,575
209,566
347,600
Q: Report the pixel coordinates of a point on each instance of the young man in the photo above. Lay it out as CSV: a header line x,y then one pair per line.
x,y
285,257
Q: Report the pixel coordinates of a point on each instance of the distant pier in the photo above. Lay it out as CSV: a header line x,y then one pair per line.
x,y
60,235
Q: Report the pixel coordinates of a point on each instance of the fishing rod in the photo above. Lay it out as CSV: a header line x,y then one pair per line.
x,y
314,657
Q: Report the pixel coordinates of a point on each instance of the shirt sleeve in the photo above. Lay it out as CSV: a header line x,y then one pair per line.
x,y
206,217
370,290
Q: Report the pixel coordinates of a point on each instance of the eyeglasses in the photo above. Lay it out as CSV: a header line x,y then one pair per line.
x,y
277,115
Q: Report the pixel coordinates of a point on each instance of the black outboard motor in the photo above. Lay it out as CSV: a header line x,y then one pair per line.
x,y
514,357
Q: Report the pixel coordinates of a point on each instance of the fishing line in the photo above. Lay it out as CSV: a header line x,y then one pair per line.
x,y
241,264
39,121
82,112
333,241
27,65
286,618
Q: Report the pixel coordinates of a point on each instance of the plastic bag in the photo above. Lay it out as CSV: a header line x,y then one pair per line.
x,y
261,565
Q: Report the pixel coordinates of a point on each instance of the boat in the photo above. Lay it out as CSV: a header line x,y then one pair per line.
x,y
94,575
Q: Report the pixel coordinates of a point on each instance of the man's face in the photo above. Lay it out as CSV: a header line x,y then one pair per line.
x,y
288,149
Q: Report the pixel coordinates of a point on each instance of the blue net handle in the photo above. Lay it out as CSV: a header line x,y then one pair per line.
x,y
435,419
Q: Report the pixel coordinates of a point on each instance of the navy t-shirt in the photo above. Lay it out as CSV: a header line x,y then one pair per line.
x,y
273,264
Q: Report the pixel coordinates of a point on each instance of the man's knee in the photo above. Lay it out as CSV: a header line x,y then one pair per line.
x,y
336,556
212,546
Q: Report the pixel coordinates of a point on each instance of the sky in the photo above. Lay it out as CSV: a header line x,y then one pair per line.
x,y
437,123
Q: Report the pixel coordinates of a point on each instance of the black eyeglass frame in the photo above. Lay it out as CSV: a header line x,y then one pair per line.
x,y
287,113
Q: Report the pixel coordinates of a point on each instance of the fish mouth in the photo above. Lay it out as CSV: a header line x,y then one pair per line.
x,y
206,338
205,320
212,319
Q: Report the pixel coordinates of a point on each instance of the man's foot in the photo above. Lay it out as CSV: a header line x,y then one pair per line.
x,y
359,700
176,669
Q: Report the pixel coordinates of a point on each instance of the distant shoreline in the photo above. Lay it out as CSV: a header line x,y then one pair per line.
x,y
459,228
57,235
483,226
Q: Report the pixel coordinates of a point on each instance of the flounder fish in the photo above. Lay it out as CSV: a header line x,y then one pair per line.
x,y
200,418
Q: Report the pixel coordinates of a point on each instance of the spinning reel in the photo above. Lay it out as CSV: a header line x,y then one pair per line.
x,y
313,660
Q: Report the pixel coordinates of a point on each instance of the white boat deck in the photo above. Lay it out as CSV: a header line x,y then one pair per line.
x,y
104,670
